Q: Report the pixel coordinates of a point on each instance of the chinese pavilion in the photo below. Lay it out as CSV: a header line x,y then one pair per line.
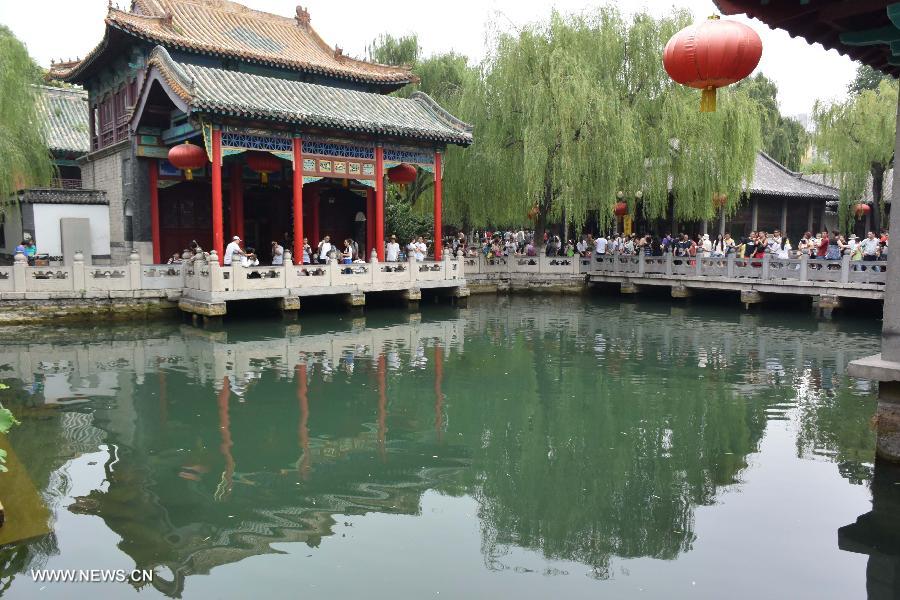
x,y
298,136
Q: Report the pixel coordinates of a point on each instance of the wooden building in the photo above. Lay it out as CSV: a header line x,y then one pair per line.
x,y
260,93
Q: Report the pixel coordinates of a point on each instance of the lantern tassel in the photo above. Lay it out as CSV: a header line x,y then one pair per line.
x,y
265,178
188,175
708,100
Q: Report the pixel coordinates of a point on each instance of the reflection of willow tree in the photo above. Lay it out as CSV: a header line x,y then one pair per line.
x,y
577,462
835,423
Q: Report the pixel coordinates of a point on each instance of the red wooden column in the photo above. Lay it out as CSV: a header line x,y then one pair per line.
x,y
234,193
298,199
438,200
379,202
370,222
153,166
218,236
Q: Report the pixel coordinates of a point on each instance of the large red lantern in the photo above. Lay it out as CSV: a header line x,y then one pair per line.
x,y
187,156
861,210
621,209
711,55
263,163
719,200
402,174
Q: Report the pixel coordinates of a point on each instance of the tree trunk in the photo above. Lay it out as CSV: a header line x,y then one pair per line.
x,y
877,191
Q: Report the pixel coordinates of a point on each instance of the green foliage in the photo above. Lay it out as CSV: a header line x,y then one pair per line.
x,y
401,220
857,135
25,159
570,111
866,78
388,50
7,421
783,138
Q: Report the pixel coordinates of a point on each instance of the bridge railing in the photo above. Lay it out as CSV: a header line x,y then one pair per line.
x,y
765,269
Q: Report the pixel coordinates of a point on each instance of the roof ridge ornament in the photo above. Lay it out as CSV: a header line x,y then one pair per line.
x,y
338,53
302,17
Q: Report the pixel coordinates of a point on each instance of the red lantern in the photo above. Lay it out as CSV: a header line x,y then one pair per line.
x,y
621,209
711,55
263,163
719,200
533,212
187,156
861,210
402,174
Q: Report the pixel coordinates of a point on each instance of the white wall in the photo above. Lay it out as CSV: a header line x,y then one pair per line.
x,y
46,226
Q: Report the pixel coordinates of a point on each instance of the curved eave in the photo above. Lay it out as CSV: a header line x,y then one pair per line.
x,y
388,84
213,109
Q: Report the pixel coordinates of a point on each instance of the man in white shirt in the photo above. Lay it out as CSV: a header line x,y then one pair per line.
x,y
277,254
324,249
600,245
233,248
421,249
393,250
869,247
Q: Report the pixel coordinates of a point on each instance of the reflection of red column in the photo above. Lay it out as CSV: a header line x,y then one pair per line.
x,y
225,430
303,429
298,200
382,403
438,200
163,395
438,394
218,240
379,202
153,169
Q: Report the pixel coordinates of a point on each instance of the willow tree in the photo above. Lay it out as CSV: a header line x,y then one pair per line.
x,y
857,136
569,112
25,159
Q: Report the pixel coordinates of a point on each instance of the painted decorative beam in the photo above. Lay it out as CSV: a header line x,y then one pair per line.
x,y
871,37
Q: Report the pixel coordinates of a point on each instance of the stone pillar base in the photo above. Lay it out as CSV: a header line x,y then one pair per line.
x,y
887,421
825,305
628,287
679,291
411,297
750,297
356,300
204,309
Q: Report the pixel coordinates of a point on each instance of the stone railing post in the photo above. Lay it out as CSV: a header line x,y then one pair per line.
x,y
412,267
804,267
215,273
460,256
698,264
134,270
288,258
729,269
670,263
642,263
78,272
373,257
845,268
765,266
445,267
20,272
334,275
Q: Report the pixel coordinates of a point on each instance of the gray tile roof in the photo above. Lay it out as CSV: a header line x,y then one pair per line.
x,y
65,119
832,180
60,196
250,96
772,178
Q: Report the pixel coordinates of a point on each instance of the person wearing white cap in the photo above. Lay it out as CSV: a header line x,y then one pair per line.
x,y
234,247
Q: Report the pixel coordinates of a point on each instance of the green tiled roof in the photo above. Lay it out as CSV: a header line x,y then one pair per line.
x,y
65,119
249,96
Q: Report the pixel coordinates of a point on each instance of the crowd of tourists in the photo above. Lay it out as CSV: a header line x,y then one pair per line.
x,y
822,246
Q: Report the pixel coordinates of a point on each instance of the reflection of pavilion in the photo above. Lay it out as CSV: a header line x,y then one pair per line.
x,y
877,533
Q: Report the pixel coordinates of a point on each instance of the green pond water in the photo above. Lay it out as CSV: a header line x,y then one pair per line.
x,y
517,448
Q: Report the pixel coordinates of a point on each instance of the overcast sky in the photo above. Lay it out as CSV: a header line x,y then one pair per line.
x,y
70,28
